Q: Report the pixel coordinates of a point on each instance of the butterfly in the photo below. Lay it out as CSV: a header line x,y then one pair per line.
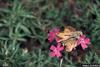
x,y
69,37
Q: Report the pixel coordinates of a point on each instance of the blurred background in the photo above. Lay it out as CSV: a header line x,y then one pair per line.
x,y
24,26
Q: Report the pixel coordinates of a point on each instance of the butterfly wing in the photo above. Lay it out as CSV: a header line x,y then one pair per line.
x,y
70,44
66,34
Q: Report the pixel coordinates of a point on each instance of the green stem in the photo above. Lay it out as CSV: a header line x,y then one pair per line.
x,y
61,62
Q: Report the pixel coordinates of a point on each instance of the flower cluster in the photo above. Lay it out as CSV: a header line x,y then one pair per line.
x,y
55,49
83,41
58,48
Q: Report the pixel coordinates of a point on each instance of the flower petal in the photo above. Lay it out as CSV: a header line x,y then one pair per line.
x,y
60,48
57,39
83,36
52,47
56,30
87,41
58,54
51,39
52,54
83,46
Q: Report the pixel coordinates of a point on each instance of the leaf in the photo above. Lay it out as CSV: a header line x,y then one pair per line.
x,y
25,29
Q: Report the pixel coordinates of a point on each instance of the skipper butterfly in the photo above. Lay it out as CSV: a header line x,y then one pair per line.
x,y
69,37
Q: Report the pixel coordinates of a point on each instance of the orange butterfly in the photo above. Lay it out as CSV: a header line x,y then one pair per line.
x,y
69,38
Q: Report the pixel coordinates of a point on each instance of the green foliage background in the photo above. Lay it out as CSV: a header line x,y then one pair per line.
x,y
24,25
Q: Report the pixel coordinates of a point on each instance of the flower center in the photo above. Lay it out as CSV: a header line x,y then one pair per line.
x,y
82,41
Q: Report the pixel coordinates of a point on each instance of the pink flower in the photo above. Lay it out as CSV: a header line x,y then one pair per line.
x,y
83,41
56,50
52,34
